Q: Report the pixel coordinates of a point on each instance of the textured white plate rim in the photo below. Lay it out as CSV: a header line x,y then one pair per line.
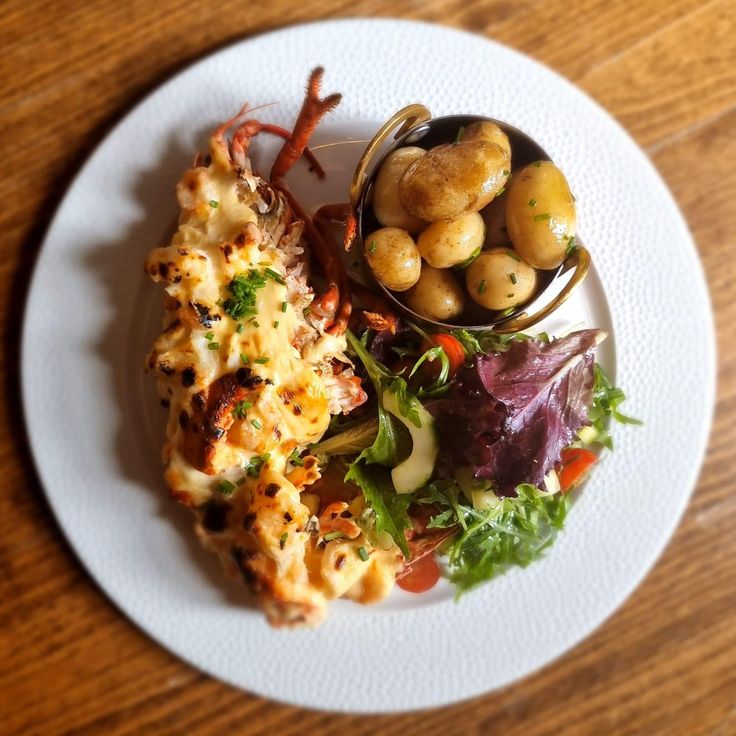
x,y
467,689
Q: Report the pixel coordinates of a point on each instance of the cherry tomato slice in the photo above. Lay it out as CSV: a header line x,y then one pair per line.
x,y
453,349
576,461
423,575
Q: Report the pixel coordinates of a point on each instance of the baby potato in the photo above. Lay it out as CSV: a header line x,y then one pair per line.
x,y
494,217
484,130
437,295
499,279
454,178
448,242
386,203
540,214
393,257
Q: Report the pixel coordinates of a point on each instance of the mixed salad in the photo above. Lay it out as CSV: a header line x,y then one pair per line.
x,y
469,445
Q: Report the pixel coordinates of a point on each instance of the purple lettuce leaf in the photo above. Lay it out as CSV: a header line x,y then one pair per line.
x,y
511,414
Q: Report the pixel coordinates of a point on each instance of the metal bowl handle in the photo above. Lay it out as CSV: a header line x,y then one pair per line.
x,y
580,259
407,117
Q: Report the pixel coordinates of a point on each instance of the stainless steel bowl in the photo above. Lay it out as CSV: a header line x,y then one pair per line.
x,y
416,127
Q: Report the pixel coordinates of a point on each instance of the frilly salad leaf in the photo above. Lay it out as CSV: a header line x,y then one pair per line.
x,y
389,507
511,413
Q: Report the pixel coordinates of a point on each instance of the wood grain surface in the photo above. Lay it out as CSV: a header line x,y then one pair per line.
x,y
665,663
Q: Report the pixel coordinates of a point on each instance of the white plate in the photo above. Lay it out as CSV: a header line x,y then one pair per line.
x,y
95,426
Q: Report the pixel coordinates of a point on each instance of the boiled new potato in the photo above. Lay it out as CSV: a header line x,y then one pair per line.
x,y
499,279
386,203
449,242
540,214
437,295
494,217
484,130
393,257
454,178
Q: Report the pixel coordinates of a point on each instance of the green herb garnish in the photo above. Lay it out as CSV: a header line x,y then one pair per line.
x,y
244,359
532,202
544,216
239,329
256,424
512,277
363,554
240,408
282,539
209,335
283,307
294,458
213,345
482,286
214,204
225,487
372,247
262,360
275,276
242,300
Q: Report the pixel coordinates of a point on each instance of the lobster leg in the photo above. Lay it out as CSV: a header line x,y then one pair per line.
x,y
313,110
251,128
342,213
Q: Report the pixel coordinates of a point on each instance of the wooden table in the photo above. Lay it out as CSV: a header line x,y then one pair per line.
x,y
666,661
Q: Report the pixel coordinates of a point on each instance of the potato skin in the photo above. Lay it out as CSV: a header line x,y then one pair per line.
x,y
454,178
484,130
499,279
393,257
387,206
540,214
437,295
494,217
447,243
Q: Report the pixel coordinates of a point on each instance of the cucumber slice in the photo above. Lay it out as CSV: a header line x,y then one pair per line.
x,y
417,469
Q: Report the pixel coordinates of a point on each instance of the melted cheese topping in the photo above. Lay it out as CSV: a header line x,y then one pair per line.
x,y
223,233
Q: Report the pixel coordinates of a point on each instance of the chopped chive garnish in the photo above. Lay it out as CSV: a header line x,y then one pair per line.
x,y
225,487
306,311
501,191
460,134
282,539
363,554
537,163
513,255
256,424
256,323
214,204
213,345
332,535
275,275
244,359
239,329
241,480
506,172
508,311
275,324
283,307
532,202
509,296
294,458
570,245
543,216
512,277
241,408
482,286
209,335
372,247
262,360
